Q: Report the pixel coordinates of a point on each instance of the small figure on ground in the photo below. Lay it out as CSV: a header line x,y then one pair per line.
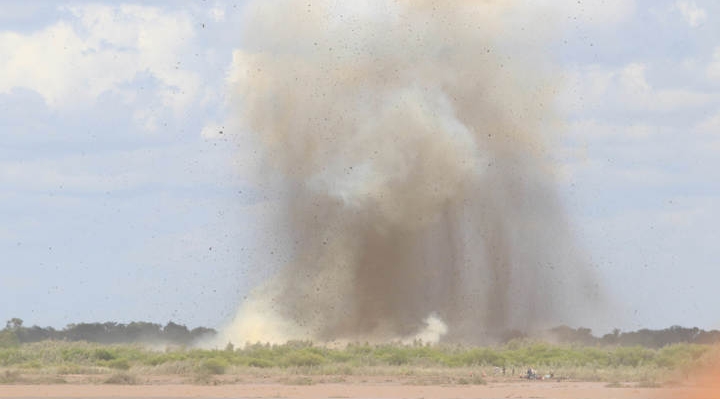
x,y
531,375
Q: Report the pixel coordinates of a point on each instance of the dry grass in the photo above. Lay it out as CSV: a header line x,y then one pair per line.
x,y
122,379
301,363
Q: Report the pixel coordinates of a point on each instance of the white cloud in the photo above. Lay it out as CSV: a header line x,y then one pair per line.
x,y
626,88
710,125
620,153
692,14
591,12
182,166
635,92
643,155
217,13
713,68
632,78
593,129
607,12
71,62
213,131
146,119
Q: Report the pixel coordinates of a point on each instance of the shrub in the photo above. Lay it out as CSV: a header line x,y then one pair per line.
x,y
473,380
397,357
261,363
481,357
304,358
71,369
300,381
673,356
214,366
122,379
340,356
31,365
77,354
11,356
9,377
120,364
8,339
631,356
204,378
103,354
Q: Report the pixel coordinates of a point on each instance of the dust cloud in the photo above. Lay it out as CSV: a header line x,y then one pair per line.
x,y
412,142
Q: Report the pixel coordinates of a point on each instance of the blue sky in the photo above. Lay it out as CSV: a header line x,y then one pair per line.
x,y
121,200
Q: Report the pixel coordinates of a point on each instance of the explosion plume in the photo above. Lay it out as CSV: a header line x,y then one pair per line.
x,y
410,142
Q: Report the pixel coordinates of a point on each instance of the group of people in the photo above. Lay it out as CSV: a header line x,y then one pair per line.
x,y
532,374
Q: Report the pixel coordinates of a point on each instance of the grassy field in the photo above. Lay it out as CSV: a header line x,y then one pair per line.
x,y
305,363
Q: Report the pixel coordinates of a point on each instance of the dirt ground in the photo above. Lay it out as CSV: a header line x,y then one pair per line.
x,y
393,389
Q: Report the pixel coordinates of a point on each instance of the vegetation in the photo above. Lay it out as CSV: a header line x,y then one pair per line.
x,y
646,338
176,334
106,333
460,364
644,357
121,379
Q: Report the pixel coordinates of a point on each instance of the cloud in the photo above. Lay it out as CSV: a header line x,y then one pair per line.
x,y
646,155
601,13
713,68
619,133
710,125
180,167
692,14
623,89
213,131
217,13
98,49
606,12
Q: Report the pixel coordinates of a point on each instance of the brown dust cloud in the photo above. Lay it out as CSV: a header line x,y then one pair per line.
x,y
412,144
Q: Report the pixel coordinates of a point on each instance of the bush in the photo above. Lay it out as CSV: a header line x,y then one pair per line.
x,y
631,356
31,365
397,357
481,357
473,380
304,358
8,339
609,363
103,354
120,364
10,376
214,366
261,363
122,379
300,381
77,354
673,356
340,356
156,360
11,357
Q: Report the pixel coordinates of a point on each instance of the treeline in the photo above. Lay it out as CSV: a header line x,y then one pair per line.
x,y
177,334
107,333
645,337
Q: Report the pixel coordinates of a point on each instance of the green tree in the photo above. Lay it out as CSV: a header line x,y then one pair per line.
x,y
14,324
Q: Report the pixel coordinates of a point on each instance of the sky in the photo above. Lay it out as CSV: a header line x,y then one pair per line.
x,y
126,194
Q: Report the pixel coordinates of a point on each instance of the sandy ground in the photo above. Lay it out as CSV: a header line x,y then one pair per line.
x,y
517,390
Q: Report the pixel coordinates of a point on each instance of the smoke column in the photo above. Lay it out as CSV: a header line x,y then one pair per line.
x,y
410,142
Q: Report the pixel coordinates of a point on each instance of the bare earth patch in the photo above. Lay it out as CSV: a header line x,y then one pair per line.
x,y
354,388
